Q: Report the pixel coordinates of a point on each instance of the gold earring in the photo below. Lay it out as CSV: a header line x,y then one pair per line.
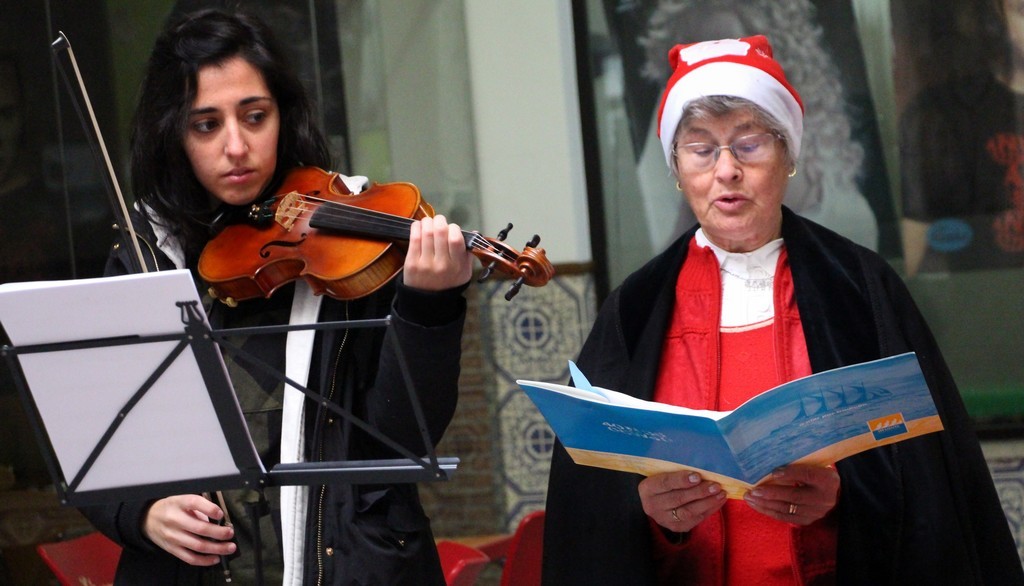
x,y
793,172
678,187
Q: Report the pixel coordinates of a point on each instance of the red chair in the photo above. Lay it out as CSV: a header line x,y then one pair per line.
x,y
493,546
461,563
90,559
523,560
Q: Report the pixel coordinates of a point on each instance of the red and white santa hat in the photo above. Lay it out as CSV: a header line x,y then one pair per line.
x,y
730,67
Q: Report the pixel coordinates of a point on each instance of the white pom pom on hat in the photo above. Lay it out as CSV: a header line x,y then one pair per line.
x,y
743,68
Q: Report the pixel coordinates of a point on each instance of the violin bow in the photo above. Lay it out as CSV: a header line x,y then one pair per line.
x,y
121,209
124,220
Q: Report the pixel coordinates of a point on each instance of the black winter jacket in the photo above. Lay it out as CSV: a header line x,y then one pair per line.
x,y
366,534
923,511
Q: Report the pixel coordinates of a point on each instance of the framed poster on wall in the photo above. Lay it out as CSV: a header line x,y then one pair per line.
x,y
960,104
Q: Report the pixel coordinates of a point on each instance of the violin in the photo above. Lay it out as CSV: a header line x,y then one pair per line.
x,y
344,245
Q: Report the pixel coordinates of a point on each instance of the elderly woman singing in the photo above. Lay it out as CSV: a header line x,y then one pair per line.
x,y
749,298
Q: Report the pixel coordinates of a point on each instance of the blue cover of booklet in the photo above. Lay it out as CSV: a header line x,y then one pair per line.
x,y
818,420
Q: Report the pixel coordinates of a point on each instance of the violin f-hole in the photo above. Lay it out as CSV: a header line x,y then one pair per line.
x,y
265,250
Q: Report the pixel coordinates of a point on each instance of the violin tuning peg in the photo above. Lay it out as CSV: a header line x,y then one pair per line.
x,y
514,289
504,233
533,241
486,273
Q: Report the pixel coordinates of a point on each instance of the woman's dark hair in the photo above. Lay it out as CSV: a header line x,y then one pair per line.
x,y
161,175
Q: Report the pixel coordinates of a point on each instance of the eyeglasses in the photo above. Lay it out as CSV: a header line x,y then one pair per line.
x,y
749,150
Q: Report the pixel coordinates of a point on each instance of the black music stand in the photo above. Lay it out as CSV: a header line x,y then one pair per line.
x,y
172,423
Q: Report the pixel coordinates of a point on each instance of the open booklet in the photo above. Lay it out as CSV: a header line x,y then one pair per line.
x,y
818,420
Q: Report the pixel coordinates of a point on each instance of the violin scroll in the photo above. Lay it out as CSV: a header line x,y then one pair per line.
x,y
529,267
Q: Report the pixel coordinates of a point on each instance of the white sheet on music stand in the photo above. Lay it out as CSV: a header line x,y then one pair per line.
x,y
172,434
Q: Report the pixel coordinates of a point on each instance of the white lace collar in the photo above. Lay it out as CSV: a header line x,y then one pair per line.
x,y
748,281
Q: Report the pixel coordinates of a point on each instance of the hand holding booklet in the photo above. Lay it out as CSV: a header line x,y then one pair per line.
x,y
818,420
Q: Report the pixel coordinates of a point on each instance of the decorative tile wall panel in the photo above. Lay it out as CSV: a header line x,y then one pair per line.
x,y
532,337
1006,461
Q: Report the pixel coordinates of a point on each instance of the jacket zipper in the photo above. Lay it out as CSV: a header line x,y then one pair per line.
x,y
320,456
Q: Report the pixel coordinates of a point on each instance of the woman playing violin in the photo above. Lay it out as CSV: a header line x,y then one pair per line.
x,y
220,122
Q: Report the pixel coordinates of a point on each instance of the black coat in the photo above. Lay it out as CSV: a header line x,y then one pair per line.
x,y
920,511
377,534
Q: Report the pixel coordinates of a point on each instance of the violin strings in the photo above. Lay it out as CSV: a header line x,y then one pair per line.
x,y
372,218
338,210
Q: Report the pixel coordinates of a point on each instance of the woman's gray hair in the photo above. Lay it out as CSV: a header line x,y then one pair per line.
x,y
711,107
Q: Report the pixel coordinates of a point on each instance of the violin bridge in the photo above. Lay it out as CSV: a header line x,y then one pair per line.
x,y
288,210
